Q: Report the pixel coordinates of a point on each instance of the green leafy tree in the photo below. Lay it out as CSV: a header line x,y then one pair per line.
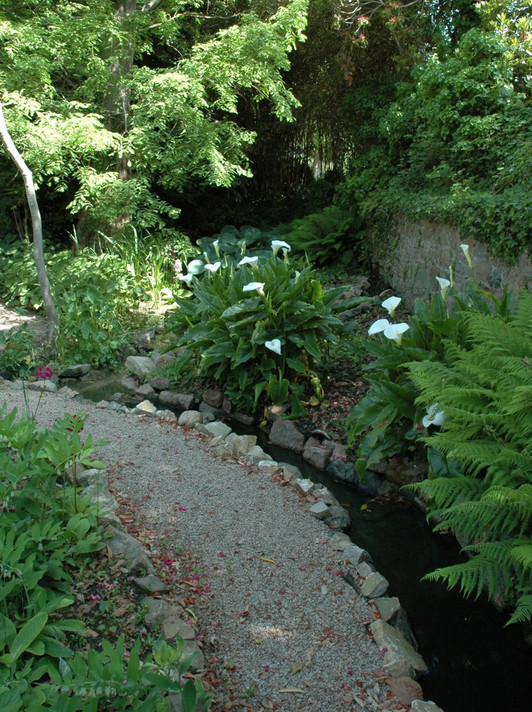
x,y
455,144
114,102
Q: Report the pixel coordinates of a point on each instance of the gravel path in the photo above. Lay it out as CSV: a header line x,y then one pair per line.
x,y
284,631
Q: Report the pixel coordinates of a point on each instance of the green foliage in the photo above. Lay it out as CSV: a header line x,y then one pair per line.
x,y
485,391
16,351
47,531
152,261
231,244
388,420
256,329
101,122
326,236
93,293
456,144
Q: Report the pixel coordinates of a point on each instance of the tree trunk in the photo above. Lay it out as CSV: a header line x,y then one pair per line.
x,y
117,100
36,223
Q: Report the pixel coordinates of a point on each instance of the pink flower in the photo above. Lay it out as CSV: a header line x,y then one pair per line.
x,y
44,372
168,561
175,452
182,509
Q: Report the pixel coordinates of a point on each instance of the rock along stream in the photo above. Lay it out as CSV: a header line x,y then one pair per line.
x,y
475,664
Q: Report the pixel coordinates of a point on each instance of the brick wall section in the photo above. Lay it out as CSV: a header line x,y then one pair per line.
x,y
422,251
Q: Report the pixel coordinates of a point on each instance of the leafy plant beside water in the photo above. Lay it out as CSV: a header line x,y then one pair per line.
x,y
93,293
257,328
483,493
389,421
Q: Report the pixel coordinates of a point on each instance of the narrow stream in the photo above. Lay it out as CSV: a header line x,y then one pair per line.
x,y
475,664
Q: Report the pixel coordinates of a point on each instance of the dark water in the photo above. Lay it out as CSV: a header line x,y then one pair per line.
x,y
475,664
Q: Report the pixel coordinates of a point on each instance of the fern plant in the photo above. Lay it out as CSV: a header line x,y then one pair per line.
x,y
485,391
324,236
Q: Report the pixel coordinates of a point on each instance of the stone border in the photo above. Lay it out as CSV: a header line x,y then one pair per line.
x,y
172,620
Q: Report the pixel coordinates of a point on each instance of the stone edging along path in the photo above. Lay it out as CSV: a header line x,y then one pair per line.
x,y
401,663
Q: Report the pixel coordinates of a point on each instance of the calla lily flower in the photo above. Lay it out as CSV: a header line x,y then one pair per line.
x,y
254,285
444,286
280,245
214,267
196,267
378,326
186,278
274,345
434,416
391,305
248,261
465,250
396,331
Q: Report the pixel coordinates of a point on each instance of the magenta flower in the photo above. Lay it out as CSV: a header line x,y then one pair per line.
x,y
44,372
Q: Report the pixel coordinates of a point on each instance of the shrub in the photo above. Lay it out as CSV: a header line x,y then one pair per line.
x,y
484,493
256,329
93,293
17,355
388,421
326,236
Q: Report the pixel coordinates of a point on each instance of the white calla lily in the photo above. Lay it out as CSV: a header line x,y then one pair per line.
x,y
259,286
274,345
444,286
396,331
433,416
280,245
378,326
248,261
391,305
186,278
213,267
465,250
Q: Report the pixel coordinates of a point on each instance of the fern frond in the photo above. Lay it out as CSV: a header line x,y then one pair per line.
x,y
470,576
442,492
523,318
521,555
523,610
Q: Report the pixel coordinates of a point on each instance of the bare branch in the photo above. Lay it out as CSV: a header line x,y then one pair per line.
x,y
150,6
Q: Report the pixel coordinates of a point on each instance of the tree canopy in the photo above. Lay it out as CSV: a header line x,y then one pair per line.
x,y
112,102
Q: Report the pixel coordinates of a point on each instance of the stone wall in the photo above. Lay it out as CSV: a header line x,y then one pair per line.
x,y
419,252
